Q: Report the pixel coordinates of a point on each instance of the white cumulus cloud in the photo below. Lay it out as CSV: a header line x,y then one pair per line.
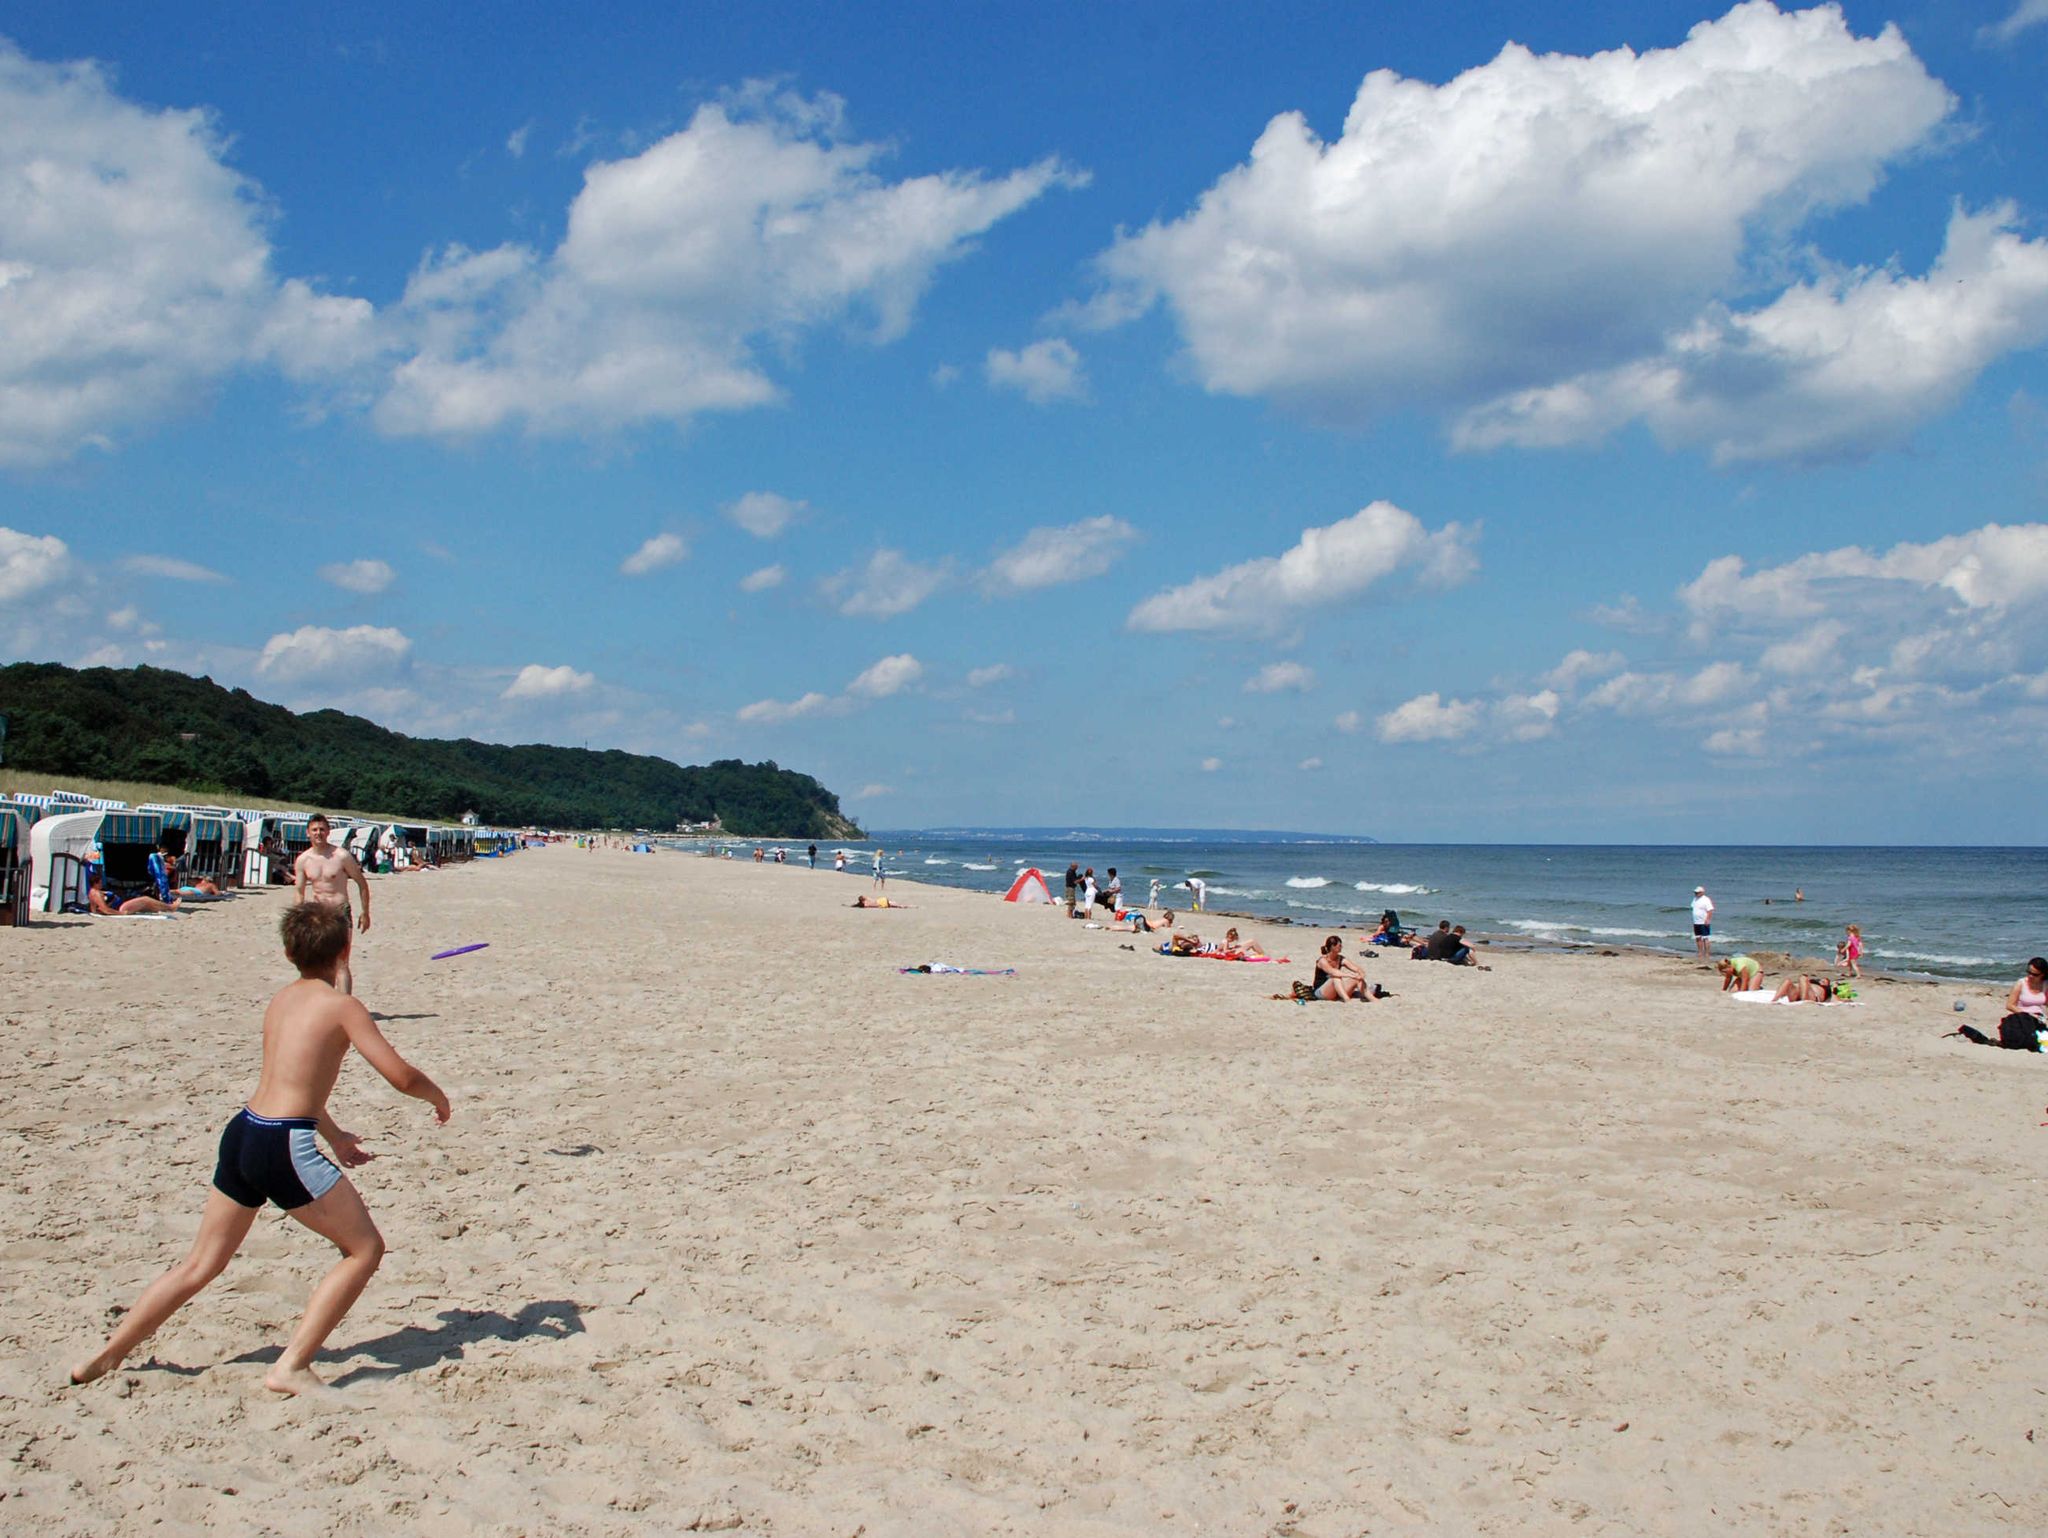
x,y
1042,373
1211,765
892,675
134,268
535,682
1430,718
888,584
1276,677
317,652
769,712
1327,565
1550,243
763,579
1047,557
366,577
1842,365
994,673
30,563
679,267
764,514
657,551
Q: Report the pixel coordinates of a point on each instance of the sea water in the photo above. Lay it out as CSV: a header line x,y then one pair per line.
x,y
1959,913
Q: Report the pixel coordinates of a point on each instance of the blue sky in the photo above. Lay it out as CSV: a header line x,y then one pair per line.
x,y
1490,422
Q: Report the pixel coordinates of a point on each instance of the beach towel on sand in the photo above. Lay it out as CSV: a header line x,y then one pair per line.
x,y
942,967
1763,996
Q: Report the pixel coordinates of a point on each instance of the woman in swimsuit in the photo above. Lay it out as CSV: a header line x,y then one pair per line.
x,y
1232,946
1805,990
2030,994
1337,979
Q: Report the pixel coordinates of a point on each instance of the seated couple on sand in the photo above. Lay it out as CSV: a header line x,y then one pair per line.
x,y
1447,944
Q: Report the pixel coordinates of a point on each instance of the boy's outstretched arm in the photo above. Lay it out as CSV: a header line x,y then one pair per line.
x,y
364,1036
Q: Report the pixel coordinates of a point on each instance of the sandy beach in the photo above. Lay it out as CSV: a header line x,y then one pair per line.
x,y
739,1229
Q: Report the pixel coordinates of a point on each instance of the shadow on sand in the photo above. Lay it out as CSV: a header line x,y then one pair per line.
x,y
415,1347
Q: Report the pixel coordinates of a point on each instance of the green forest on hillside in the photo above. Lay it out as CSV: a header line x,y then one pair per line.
x,y
152,724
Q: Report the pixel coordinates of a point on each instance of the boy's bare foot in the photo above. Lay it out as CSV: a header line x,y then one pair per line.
x,y
300,1382
97,1366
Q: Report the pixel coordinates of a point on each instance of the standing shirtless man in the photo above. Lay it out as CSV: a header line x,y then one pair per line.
x,y
267,1154
323,873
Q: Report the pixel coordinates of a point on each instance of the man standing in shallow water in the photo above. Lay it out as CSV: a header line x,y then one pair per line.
x,y
323,873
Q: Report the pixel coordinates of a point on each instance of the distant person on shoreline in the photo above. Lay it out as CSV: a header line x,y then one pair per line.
x,y
1740,974
1703,923
1073,886
814,857
1112,896
1850,951
881,872
1152,898
268,1155
1199,890
839,861
322,874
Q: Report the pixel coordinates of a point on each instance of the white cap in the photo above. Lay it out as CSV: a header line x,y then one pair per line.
x,y
1699,891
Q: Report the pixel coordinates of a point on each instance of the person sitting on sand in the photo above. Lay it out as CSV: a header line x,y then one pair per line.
x,y
1140,924
1739,974
1337,979
267,1154
97,901
1233,946
2029,995
1805,990
865,901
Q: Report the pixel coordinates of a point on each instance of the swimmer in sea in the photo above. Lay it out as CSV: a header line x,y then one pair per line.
x,y
267,1153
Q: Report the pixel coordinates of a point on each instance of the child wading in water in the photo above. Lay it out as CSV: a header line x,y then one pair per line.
x,y
267,1153
1850,951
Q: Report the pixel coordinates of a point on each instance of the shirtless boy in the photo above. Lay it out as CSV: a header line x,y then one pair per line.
x,y
323,873
267,1153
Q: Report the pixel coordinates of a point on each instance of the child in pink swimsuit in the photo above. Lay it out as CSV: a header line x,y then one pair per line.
x,y
1850,951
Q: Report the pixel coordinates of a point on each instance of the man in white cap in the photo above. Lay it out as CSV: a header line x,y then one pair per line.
x,y
1703,922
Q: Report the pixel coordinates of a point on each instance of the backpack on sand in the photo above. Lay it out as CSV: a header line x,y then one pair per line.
x,y
2020,1033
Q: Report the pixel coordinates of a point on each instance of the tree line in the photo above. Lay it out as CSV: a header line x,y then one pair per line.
x,y
170,728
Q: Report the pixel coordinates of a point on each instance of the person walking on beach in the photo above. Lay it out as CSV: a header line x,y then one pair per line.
x,y
322,874
1703,923
814,857
881,875
1850,952
267,1153
1073,886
